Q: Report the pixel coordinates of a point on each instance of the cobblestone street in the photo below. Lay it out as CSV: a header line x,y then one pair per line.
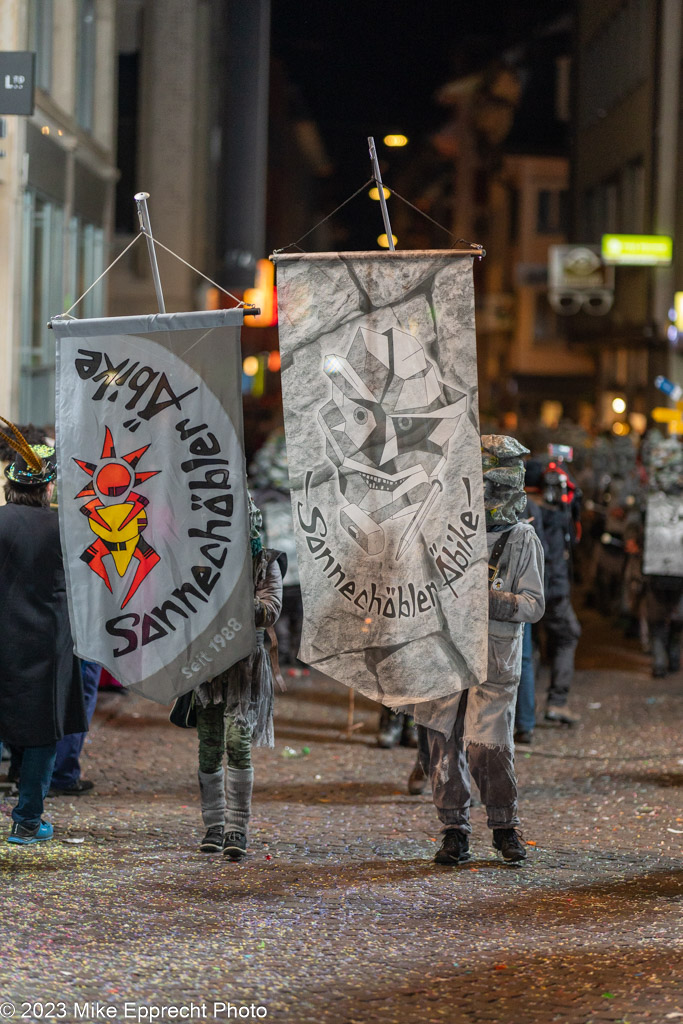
x,y
339,915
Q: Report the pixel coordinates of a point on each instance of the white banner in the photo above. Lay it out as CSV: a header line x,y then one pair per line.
x,y
152,496
379,383
663,553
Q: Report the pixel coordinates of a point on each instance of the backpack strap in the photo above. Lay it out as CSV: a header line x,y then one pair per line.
x,y
496,553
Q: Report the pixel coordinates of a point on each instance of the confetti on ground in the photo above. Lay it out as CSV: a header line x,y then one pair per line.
x,y
339,914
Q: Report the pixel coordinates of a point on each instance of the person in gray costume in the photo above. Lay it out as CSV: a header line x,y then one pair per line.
x,y
235,710
480,741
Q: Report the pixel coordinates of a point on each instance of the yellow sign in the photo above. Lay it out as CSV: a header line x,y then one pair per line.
x,y
673,417
678,308
637,250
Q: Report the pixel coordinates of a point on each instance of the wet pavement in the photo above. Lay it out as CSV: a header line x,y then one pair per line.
x,y
338,915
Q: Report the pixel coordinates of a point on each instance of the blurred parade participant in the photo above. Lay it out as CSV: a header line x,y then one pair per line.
x,y
554,492
394,729
611,523
41,697
663,557
525,709
234,710
482,735
269,476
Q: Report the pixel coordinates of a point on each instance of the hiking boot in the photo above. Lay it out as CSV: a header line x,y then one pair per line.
x,y
213,840
560,716
507,842
454,849
77,789
409,733
390,729
25,836
524,737
417,780
234,845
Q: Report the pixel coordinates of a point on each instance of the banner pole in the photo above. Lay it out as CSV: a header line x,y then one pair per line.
x,y
145,226
380,188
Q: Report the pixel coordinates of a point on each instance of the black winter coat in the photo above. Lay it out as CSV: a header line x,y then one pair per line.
x,y
557,547
41,694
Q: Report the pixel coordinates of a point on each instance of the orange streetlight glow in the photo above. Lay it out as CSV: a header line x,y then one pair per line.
x,y
374,192
383,241
395,141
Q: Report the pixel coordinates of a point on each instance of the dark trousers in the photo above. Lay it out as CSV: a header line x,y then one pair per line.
x,y
664,615
34,782
288,626
67,769
525,710
562,630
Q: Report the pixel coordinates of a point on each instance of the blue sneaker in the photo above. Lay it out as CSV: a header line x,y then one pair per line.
x,y
25,836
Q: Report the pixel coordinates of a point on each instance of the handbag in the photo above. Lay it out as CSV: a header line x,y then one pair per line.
x,y
183,713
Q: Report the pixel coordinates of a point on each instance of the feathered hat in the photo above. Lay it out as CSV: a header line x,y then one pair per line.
x,y
35,465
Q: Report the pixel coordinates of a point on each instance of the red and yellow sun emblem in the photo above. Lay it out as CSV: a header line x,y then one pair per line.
x,y
117,524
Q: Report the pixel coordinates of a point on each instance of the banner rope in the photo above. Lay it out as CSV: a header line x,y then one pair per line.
x,y
156,241
315,226
103,274
474,246
205,276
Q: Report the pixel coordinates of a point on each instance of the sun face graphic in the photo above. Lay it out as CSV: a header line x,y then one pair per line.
x,y
117,515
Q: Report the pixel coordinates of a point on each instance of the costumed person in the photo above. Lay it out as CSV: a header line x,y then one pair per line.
x,y
235,710
525,708
481,738
270,486
664,588
555,493
41,695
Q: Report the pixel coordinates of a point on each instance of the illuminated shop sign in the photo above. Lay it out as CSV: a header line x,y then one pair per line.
x,y
637,250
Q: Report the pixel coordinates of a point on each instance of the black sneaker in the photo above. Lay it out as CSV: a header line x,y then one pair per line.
x,y
560,716
524,736
213,840
235,845
507,842
77,789
454,849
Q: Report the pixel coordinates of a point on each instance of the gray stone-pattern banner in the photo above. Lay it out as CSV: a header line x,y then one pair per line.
x,y
379,384
663,550
153,496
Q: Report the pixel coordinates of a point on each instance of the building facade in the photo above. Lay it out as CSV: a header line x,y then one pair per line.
x,y
57,179
626,174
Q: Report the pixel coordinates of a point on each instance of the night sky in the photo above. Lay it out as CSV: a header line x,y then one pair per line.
x,y
371,68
